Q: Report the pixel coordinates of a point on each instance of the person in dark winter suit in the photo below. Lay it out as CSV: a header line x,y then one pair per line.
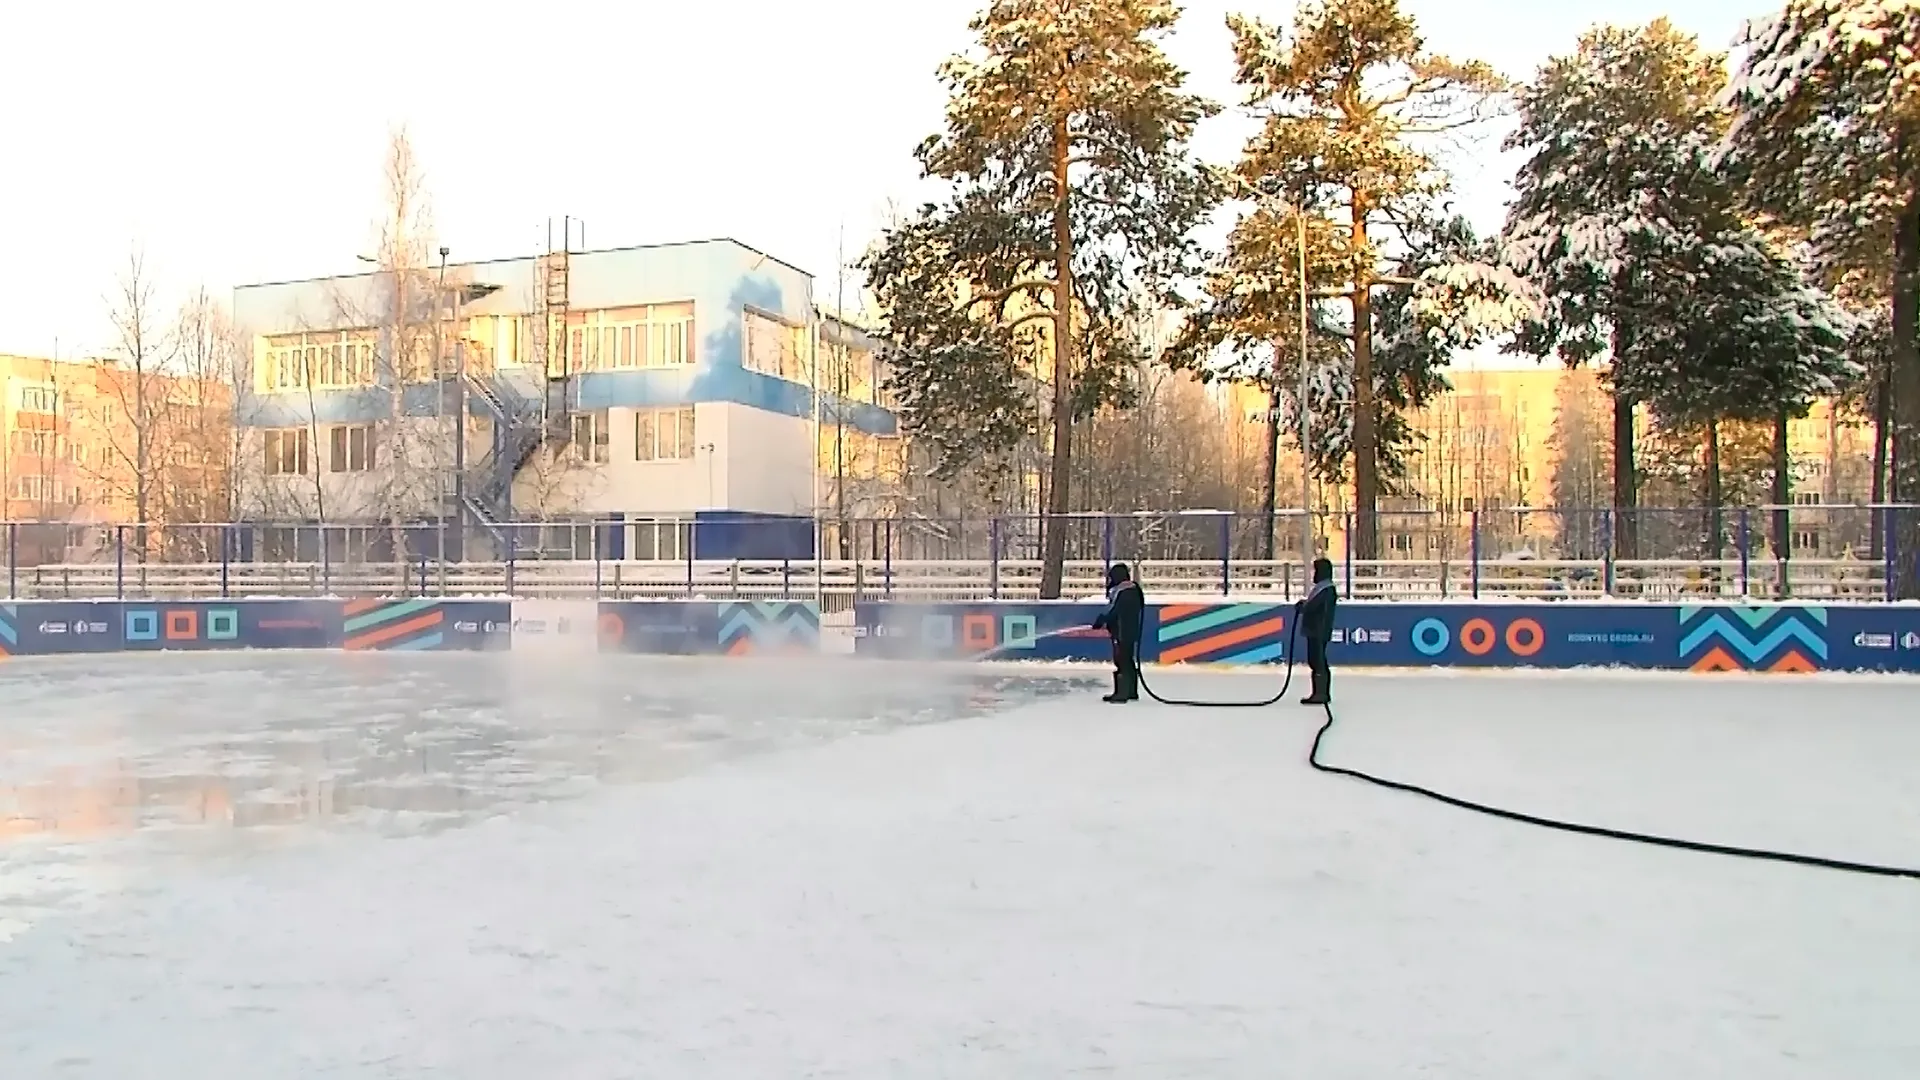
x,y
1316,626
1126,607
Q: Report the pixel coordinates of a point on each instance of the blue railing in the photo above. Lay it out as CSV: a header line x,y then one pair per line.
x,y
1758,551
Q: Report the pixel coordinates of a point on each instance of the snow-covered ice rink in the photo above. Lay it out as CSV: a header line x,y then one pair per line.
x,y
542,868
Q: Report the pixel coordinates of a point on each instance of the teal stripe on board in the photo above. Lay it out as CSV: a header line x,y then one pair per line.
x,y
419,644
1192,625
387,614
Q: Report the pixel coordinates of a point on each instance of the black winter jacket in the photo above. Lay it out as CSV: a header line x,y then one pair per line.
x,y
1316,611
1125,607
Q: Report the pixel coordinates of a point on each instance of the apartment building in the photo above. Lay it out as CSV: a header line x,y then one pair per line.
x,y
632,402
72,449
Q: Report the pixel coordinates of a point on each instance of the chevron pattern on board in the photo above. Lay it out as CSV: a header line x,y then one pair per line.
x,y
1221,633
394,625
761,628
9,636
1737,638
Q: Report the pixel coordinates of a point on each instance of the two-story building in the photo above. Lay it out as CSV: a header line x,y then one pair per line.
x,y
649,402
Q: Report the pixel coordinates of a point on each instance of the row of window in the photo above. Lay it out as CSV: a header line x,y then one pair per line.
x,y
325,361
46,489
350,448
658,435
49,446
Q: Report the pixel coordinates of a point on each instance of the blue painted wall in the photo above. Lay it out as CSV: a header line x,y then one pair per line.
x,y
721,277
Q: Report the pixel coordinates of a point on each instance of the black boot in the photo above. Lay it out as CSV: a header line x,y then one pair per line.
x,y
1320,692
1118,694
1130,686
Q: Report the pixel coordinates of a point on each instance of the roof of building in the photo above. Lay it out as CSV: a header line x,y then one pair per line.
x,y
530,258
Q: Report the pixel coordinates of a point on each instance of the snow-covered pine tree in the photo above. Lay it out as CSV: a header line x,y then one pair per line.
x,y
1753,342
1826,135
1071,202
1611,209
1247,330
1347,95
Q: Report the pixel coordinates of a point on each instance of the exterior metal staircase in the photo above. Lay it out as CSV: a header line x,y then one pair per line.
x,y
523,425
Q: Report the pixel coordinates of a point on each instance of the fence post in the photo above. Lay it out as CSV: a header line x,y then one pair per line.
x,y
886,556
1892,548
993,558
593,548
13,559
1226,554
119,562
1746,540
1606,551
1473,550
1346,559
513,543
225,558
1106,542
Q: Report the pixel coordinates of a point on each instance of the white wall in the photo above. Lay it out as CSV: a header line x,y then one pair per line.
x,y
760,462
769,461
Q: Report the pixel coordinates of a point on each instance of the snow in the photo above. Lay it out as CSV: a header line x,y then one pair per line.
x,y
614,867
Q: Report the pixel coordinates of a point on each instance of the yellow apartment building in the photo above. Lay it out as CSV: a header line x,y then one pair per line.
x,y
1511,444
68,447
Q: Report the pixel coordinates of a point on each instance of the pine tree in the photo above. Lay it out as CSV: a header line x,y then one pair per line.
x,y
1826,136
1247,330
1343,94
1613,197
1070,207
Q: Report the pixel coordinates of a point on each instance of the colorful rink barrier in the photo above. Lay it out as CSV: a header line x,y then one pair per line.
x,y
1717,637
1671,637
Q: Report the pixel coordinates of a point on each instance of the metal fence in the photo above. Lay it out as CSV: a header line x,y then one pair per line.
x,y
1805,552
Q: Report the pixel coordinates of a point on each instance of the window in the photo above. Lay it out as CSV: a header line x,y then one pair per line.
x,y
351,448
1807,498
336,360
625,339
39,399
659,540
37,488
44,444
663,434
775,347
590,438
1806,540
286,452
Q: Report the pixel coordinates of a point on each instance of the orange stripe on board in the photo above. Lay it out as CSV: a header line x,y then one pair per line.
x,y
1717,660
397,630
1794,663
355,607
741,646
1180,611
1205,645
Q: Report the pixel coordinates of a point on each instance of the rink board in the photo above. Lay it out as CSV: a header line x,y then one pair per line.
x,y
1563,634
1547,634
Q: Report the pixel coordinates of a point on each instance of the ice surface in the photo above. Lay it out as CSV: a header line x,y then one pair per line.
x,y
301,865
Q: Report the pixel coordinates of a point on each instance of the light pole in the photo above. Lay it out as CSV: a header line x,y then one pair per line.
x,y
1306,424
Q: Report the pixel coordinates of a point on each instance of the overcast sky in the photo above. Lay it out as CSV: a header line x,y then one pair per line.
x,y
237,141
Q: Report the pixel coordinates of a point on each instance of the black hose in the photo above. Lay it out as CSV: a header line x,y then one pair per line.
x,y
1313,759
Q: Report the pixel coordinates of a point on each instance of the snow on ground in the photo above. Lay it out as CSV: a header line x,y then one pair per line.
x,y
292,865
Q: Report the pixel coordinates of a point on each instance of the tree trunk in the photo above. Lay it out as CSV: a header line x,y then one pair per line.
x,y
1882,422
1905,575
1270,477
1054,543
1716,519
1781,496
1366,480
1626,519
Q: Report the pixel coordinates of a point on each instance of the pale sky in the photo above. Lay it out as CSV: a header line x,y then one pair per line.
x,y
238,141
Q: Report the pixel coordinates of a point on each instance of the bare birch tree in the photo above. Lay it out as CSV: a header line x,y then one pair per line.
x,y
136,386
